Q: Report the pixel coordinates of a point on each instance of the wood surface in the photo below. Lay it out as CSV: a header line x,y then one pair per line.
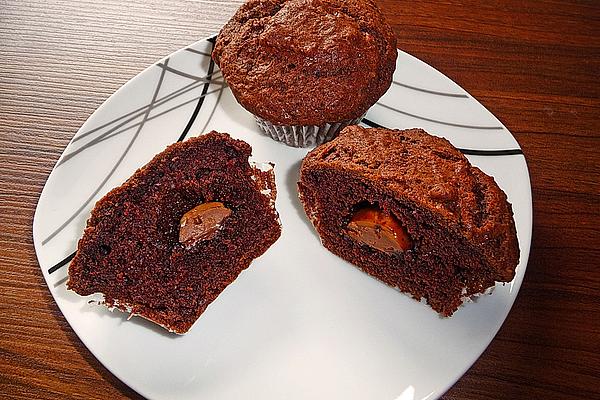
x,y
534,64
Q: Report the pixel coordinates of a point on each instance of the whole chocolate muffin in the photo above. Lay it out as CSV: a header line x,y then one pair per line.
x,y
307,68
409,209
168,241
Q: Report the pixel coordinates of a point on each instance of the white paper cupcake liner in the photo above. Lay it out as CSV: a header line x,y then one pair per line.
x,y
303,135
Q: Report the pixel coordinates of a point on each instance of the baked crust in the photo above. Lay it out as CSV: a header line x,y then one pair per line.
x,y
433,190
307,62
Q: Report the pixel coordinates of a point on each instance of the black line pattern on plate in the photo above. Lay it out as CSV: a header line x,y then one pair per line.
x,y
185,74
372,124
211,67
61,263
471,152
112,133
114,168
205,81
507,152
438,121
191,50
61,281
212,112
460,95
139,111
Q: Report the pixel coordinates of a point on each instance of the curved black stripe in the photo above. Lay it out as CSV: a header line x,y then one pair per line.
x,y
507,152
160,100
372,124
214,108
185,74
111,133
61,263
140,111
191,50
470,152
464,96
480,127
211,67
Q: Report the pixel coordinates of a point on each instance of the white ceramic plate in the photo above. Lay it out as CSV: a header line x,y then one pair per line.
x,y
300,323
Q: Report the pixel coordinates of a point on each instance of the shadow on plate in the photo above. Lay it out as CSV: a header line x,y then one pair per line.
x,y
292,184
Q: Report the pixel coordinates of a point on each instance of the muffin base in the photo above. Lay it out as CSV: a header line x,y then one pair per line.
x,y
304,135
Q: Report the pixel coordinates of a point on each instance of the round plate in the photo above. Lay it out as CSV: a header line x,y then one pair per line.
x,y
300,323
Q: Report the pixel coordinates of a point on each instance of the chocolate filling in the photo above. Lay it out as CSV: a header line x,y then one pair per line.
x,y
202,222
376,228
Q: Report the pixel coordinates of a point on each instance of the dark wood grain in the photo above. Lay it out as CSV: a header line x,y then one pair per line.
x,y
534,64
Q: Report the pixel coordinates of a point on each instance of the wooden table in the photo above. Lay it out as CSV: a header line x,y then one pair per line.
x,y
534,64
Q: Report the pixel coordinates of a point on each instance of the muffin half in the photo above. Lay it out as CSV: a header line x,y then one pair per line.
x,y
168,241
410,210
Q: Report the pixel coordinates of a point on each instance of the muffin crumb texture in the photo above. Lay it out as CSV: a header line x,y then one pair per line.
x,y
459,230
168,241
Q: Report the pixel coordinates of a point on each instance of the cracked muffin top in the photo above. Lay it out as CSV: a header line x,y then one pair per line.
x,y
307,62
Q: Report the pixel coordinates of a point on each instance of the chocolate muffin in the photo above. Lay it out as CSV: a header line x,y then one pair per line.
x,y
168,241
410,210
306,68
